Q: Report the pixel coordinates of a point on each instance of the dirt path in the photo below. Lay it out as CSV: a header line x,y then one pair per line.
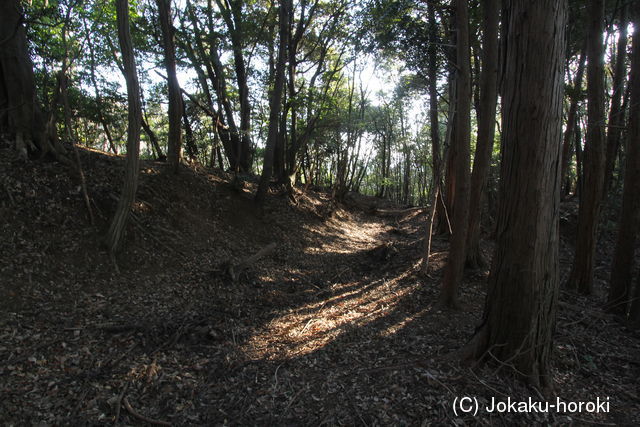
x,y
334,328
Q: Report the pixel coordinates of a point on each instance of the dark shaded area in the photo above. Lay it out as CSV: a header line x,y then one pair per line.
x,y
336,327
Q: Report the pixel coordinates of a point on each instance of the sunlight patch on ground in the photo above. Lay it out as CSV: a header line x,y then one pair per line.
x,y
395,328
317,324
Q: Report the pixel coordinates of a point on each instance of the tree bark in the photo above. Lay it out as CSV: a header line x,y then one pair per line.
x,y
20,114
581,278
190,141
231,12
229,133
616,112
434,125
174,146
127,196
275,103
486,129
572,122
622,267
519,315
455,264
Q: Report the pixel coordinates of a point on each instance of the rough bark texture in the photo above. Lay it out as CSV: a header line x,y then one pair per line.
x,y
519,314
115,234
174,146
622,268
486,129
581,277
275,104
455,264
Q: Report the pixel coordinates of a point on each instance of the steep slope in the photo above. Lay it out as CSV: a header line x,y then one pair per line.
x,y
334,326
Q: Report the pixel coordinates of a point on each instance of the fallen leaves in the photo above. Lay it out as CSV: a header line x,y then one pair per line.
x,y
334,327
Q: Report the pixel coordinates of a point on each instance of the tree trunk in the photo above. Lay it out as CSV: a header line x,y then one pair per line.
x,y
519,315
622,267
447,194
174,146
572,122
190,141
616,112
486,129
232,15
275,103
198,60
434,126
115,234
155,145
577,144
20,115
581,277
94,83
455,264
229,133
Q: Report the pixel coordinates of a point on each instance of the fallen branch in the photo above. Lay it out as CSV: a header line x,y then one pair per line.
x,y
235,270
118,403
134,414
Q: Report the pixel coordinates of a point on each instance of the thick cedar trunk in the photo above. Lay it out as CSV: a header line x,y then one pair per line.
x,y
20,116
174,146
581,277
275,103
572,123
616,112
486,129
520,308
455,264
622,268
115,234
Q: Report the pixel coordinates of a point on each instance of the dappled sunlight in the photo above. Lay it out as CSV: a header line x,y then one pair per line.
x,y
396,327
314,325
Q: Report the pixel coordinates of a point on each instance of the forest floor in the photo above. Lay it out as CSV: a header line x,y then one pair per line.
x,y
336,326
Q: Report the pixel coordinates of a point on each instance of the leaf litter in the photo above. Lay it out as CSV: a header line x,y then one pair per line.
x,y
335,327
